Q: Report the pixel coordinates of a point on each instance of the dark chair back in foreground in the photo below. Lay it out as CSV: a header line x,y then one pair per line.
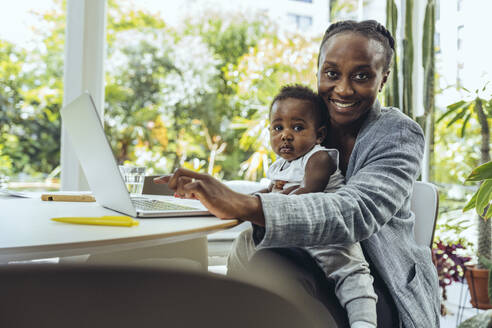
x,y
150,188
39,295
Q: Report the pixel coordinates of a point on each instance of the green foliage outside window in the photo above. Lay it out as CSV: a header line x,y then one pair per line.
x,y
196,95
174,96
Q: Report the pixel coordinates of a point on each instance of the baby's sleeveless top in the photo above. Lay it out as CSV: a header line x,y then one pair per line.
x,y
293,172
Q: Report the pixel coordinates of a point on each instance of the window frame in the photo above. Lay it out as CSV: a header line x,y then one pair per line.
x,y
85,40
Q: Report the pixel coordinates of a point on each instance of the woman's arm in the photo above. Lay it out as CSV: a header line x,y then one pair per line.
x,y
219,199
386,165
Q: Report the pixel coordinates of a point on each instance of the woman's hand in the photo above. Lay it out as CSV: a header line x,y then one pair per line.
x,y
220,200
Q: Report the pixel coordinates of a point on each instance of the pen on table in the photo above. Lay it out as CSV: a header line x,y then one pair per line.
x,y
122,221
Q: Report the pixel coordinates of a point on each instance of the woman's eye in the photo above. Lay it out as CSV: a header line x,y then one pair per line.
x,y
361,76
298,128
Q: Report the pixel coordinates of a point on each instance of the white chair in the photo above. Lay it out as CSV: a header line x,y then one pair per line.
x,y
425,205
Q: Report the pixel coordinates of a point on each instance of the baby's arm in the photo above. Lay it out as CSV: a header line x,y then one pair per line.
x,y
319,168
290,190
265,190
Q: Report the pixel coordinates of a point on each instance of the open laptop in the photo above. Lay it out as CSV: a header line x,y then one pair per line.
x,y
85,130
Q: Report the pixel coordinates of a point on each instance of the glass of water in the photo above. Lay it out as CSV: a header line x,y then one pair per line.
x,y
134,177
4,181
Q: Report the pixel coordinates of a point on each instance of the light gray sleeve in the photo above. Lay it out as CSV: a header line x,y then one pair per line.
x,y
371,197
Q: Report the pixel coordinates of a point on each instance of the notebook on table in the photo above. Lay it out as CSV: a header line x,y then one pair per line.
x,y
86,133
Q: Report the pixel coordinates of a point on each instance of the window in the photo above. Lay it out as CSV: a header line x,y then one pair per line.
x,y
301,22
459,38
459,5
32,39
310,1
185,83
175,85
437,42
459,74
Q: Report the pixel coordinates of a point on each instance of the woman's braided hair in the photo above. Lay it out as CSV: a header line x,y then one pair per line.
x,y
369,28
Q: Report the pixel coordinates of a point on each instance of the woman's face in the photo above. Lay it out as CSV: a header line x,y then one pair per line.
x,y
350,75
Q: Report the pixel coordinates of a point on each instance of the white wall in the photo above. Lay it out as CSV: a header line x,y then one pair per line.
x,y
476,49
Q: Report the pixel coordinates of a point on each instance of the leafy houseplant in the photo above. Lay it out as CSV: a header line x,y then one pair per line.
x,y
462,112
483,196
480,201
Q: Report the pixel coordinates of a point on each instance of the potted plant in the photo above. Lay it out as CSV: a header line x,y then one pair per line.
x,y
479,278
449,264
462,111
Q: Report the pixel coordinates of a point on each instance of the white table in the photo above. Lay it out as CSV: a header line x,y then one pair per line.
x,y
26,233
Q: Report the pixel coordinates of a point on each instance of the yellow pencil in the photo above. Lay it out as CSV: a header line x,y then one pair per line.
x,y
122,221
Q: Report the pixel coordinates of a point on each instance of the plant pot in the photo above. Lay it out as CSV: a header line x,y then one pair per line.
x,y
478,283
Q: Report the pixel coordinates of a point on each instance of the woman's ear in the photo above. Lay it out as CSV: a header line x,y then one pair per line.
x,y
385,78
321,134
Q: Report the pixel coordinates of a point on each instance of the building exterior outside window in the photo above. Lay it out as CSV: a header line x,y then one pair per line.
x,y
301,22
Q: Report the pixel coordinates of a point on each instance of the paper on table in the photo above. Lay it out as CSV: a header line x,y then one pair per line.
x,y
10,193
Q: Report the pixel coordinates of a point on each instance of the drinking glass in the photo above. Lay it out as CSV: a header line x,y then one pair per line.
x,y
134,177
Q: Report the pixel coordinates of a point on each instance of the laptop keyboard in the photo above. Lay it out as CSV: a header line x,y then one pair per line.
x,y
157,205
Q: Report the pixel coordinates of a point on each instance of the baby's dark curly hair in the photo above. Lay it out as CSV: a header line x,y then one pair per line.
x,y
298,91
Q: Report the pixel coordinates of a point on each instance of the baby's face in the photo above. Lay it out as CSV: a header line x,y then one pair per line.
x,y
293,130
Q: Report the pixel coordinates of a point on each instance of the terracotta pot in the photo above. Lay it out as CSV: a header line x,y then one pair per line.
x,y
478,283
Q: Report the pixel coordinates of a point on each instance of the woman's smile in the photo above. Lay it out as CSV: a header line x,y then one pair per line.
x,y
343,105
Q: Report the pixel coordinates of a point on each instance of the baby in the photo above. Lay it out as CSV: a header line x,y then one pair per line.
x,y
298,119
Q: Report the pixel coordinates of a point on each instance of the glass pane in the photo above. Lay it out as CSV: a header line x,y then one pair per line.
x,y
191,85
305,22
31,90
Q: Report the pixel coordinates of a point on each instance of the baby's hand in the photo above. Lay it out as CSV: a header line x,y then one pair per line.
x,y
279,185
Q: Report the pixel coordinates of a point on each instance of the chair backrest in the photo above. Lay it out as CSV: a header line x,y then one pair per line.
x,y
425,204
242,186
60,295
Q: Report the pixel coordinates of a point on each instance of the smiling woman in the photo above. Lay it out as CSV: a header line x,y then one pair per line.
x,y
353,68
350,76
